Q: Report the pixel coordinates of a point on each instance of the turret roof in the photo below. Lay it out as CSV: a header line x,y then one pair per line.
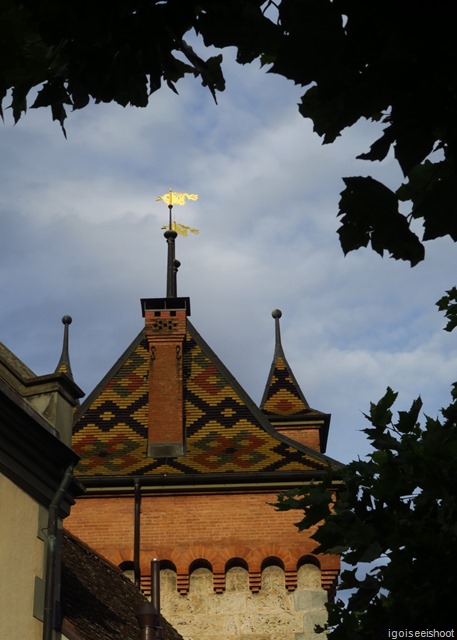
x,y
283,400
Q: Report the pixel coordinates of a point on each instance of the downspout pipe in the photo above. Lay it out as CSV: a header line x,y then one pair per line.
x,y
147,618
136,534
50,577
148,615
155,584
155,596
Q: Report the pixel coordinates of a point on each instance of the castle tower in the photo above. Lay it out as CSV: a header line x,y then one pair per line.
x,y
180,464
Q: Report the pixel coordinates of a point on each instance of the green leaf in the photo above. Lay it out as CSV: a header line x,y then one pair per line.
x,y
372,552
448,304
380,148
369,212
408,419
380,413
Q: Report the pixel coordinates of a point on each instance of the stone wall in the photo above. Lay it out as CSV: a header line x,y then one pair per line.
x,y
238,614
233,568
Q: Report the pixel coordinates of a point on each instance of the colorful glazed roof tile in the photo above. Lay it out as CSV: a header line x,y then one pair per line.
x,y
225,431
283,398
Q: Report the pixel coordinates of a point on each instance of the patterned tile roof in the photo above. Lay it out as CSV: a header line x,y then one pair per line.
x,y
283,397
225,430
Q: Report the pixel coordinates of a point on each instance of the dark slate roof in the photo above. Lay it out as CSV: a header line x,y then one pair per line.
x,y
98,601
226,432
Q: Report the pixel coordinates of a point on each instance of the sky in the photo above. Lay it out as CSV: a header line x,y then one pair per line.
x,y
81,235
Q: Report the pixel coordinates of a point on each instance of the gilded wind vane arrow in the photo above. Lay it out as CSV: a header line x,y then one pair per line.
x,y
174,197
171,198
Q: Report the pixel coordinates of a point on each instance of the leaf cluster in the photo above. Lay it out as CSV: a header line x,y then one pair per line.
x,y
394,521
448,304
118,51
388,62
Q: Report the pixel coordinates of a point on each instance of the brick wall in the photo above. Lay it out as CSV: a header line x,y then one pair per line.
x,y
185,528
308,436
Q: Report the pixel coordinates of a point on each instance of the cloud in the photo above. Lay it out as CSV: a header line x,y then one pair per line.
x,y
81,235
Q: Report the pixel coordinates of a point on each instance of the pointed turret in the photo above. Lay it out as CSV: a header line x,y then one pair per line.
x,y
63,365
56,395
285,405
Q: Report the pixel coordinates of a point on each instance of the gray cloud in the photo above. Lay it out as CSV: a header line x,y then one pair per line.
x,y
81,235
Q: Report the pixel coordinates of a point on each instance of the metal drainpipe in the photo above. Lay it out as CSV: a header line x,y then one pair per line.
x,y
147,618
155,596
50,576
136,535
148,615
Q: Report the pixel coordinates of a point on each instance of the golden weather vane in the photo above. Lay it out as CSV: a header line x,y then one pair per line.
x,y
175,197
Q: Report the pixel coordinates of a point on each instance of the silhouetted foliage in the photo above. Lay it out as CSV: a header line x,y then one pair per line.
x,y
394,521
389,62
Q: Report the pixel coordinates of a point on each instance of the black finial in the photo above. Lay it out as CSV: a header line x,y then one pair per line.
x,y
170,237
64,363
277,313
176,265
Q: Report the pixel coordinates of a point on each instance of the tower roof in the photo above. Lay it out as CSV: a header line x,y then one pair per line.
x,y
226,434
283,401
169,408
282,395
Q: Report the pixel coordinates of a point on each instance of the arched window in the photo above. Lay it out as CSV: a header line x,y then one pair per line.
x,y
272,561
273,574
168,578
201,576
236,575
127,569
309,573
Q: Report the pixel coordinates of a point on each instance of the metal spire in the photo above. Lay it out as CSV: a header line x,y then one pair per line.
x,y
170,237
63,365
276,314
171,198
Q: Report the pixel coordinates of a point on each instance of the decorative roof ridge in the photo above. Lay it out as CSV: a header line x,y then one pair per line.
x,y
106,378
279,352
311,414
251,405
209,482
